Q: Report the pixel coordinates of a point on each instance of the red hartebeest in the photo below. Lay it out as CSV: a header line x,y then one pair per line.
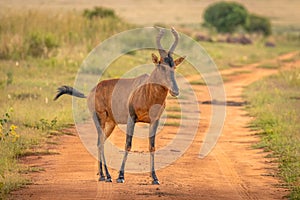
x,y
128,101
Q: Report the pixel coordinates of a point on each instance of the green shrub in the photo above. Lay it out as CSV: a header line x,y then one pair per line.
x,y
10,146
7,129
51,41
226,17
35,44
11,46
258,24
41,44
45,124
6,79
10,78
29,34
98,12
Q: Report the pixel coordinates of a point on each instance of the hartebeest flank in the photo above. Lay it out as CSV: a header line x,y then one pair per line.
x,y
128,101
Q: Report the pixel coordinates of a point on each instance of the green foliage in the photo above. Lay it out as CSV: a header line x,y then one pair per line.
x,y
10,78
44,124
35,44
276,113
98,12
226,55
9,148
258,24
41,44
226,17
6,79
37,34
7,130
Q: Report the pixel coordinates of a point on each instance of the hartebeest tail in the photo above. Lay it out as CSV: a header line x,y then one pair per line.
x,y
68,90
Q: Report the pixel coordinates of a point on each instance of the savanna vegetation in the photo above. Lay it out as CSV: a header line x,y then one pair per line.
x,y
228,17
276,113
41,50
38,52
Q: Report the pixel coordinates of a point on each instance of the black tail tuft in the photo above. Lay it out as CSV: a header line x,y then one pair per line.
x,y
68,90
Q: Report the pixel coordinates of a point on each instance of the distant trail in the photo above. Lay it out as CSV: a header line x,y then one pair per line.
x,y
233,170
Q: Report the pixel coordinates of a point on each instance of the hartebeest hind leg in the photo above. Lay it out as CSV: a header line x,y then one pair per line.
x,y
100,145
152,133
129,134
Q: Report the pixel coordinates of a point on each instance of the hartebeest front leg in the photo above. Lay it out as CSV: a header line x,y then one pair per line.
x,y
152,133
129,134
100,145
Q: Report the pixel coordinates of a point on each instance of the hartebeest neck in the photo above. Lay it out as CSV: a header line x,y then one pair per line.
x,y
155,87
156,91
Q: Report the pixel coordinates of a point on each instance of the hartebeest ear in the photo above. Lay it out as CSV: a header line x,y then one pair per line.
x,y
178,61
155,59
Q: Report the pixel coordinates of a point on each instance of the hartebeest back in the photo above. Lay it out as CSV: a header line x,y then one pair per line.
x,y
128,101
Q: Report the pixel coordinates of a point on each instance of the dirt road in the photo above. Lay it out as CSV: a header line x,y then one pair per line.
x,y
233,170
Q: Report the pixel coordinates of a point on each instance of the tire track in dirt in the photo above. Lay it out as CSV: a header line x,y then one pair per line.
x,y
233,170
234,91
229,171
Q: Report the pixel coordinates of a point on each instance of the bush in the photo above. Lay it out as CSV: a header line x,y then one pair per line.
x,y
29,34
225,16
35,44
41,44
8,130
99,12
258,24
10,146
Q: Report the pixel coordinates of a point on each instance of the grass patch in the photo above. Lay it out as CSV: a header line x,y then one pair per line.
x,y
175,116
275,104
29,33
226,78
227,55
30,169
173,109
236,73
172,123
270,65
287,60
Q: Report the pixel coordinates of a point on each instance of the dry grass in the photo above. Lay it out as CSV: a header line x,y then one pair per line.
x,y
276,113
142,12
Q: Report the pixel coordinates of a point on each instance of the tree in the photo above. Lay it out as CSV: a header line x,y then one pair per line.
x,y
225,16
258,24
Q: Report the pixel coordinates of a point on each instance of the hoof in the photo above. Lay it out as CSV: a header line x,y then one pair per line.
x,y
108,180
120,180
102,178
155,182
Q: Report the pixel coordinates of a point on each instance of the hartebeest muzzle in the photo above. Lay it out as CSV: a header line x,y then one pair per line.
x,y
174,90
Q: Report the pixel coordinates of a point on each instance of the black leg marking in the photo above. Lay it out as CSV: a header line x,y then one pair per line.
x,y
129,134
101,175
108,177
152,133
100,145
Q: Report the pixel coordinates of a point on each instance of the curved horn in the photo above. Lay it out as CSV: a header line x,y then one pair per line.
x,y
161,51
176,36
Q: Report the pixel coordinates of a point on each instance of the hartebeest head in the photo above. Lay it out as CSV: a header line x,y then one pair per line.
x,y
165,66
